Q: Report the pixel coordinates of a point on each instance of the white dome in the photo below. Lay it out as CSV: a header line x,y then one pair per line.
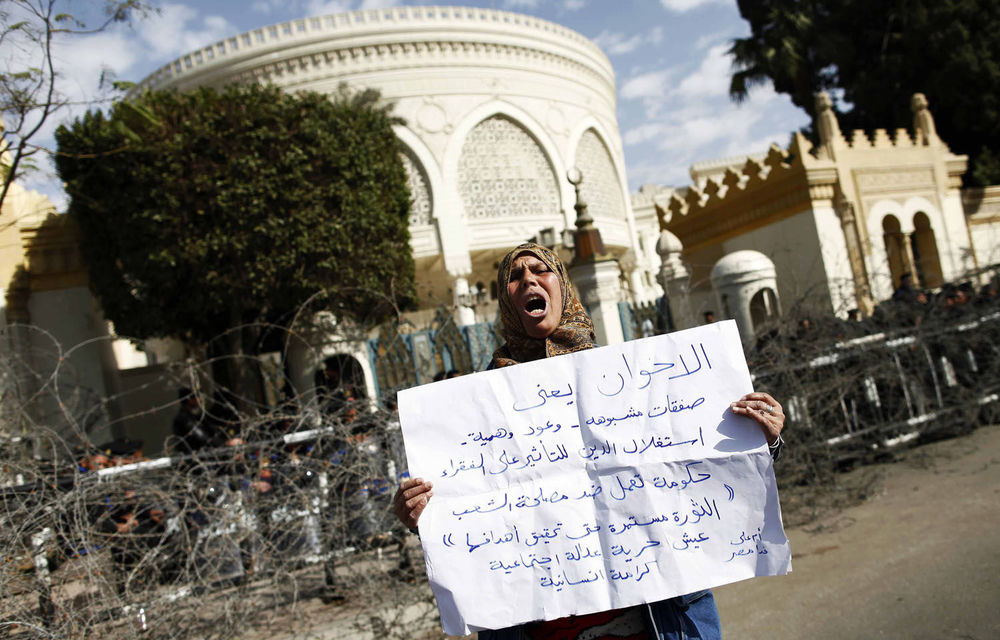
x,y
742,266
668,243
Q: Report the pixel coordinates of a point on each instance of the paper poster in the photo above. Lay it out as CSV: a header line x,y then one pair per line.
x,y
593,481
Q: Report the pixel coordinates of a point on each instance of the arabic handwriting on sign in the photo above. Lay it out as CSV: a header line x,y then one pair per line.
x,y
545,395
687,370
587,530
487,538
757,549
663,366
561,580
689,542
676,406
598,421
621,385
464,465
580,552
484,439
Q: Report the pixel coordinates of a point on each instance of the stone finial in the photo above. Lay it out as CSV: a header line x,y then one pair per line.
x,y
587,238
830,136
923,122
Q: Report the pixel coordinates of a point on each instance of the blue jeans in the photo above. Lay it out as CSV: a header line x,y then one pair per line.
x,y
690,617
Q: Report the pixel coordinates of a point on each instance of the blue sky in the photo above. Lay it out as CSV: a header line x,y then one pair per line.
x,y
669,58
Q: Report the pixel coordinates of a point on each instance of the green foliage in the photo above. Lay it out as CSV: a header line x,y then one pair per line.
x,y
878,53
205,210
30,85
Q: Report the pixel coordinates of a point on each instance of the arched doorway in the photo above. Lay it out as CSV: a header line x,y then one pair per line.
x,y
896,249
340,373
763,307
925,253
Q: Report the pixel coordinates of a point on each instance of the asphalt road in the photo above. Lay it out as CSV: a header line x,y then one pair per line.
x,y
918,559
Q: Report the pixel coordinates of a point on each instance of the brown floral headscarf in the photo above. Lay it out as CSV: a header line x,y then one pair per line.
x,y
574,333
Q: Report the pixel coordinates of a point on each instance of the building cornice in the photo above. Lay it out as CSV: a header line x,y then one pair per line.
x,y
398,37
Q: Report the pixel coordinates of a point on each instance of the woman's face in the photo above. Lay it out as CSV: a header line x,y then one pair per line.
x,y
536,295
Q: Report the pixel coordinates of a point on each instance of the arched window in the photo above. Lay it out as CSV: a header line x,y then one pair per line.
x,y
763,307
420,190
601,189
895,248
503,172
925,253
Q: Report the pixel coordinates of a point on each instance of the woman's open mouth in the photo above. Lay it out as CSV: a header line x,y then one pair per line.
x,y
535,306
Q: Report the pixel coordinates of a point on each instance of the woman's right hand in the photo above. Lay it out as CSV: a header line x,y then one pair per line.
x,y
410,499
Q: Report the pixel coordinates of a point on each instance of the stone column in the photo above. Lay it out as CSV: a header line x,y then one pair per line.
x,y
849,225
599,287
465,313
673,277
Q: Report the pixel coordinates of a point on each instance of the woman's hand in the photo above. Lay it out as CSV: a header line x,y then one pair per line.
x,y
764,410
410,499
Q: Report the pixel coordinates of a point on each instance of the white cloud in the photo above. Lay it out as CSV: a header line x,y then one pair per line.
x,y
711,78
267,7
179,29
521,4
615,43
574,5
646,85
378,4
682,6
644,133
325,7
711,39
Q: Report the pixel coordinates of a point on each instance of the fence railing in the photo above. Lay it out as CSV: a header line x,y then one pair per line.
x,y
243,537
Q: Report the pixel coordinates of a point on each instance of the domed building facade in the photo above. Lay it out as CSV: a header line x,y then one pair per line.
x,y
497,106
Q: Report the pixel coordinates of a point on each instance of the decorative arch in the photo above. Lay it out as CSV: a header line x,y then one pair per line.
x,y
422,208
504,172
528,124
422,175
601,188
925,251
338,373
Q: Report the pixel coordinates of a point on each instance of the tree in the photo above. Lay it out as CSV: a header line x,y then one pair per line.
x,y
877,54
29,81
204,211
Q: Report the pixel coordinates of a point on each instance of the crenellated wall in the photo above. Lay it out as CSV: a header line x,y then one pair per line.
x,y
840,221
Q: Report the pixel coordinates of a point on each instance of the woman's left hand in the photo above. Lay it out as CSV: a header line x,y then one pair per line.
x,y
764,410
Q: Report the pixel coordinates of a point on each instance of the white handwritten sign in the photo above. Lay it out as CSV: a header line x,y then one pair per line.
x,y
593,481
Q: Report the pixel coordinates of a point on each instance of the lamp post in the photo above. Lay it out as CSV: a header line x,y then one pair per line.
x,y
587,239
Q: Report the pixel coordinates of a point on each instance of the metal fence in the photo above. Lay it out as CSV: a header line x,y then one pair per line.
x,y
290,532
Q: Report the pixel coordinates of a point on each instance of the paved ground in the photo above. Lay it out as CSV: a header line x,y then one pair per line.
x,y
919,559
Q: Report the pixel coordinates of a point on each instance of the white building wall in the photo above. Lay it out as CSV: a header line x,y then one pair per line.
x,y
71,348
836,260
954,248
800,263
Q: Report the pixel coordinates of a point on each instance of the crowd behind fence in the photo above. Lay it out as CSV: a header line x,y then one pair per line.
x,y
286,529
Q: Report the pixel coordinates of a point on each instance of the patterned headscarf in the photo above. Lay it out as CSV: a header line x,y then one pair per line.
x,y
574,333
